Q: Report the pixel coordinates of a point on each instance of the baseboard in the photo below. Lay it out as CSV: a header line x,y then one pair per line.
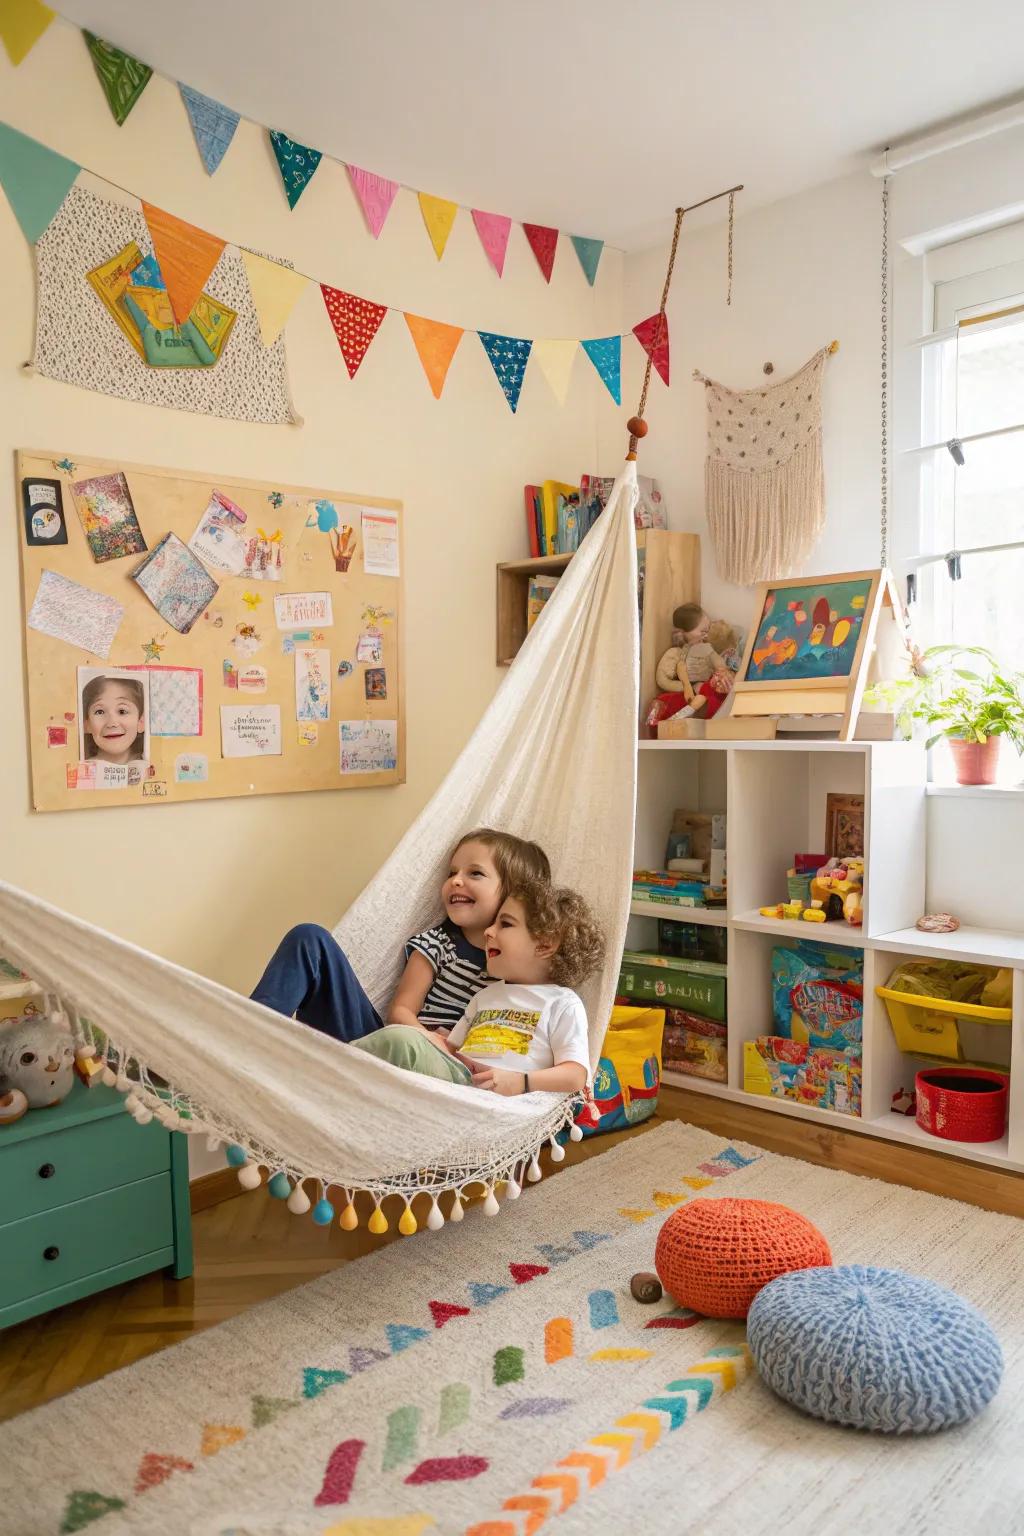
x,y
212,1188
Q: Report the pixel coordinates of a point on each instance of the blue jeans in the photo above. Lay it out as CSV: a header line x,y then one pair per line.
x,y
309,976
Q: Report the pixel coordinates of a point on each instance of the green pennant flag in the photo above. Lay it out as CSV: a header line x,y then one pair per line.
x,y
35,179
123,78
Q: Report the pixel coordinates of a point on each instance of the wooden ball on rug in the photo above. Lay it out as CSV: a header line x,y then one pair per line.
x,y
645,1287
713,1256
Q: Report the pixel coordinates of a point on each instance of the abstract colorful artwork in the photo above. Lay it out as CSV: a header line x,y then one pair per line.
x,y
176,583
808,630
108,516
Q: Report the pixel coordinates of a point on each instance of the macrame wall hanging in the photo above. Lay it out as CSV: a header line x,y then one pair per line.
x,y
763,479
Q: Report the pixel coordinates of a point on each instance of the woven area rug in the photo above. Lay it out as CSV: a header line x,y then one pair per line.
x,y
497,1378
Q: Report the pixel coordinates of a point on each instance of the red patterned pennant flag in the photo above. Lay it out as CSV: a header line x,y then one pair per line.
x,y
356,322
185,255
652,334
542,243
376,194
493,229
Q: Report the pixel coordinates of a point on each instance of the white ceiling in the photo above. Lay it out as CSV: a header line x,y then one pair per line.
x,y
597,116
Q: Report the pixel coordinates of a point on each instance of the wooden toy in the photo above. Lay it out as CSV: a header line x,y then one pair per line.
x,y
837,881
645,1287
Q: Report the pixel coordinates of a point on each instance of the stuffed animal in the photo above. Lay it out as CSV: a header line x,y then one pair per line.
x,y
692,675
37,1057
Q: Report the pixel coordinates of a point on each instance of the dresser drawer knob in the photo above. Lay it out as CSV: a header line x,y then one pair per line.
x,y
47,1171
51,1252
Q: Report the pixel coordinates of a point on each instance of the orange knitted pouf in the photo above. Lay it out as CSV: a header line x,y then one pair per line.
x,y
715,1255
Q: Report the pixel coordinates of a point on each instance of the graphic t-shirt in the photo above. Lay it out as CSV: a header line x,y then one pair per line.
x,y
524,1028
460,970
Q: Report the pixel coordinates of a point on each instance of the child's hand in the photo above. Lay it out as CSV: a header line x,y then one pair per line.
x,y
496,1080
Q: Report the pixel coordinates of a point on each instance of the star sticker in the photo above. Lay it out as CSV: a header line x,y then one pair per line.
x,y
153,650
275,498
251,599
66,465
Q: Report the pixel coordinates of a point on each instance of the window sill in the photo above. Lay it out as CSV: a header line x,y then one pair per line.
x,y
977,791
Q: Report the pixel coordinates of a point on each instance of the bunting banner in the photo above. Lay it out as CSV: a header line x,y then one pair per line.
x,y
213,126
589,253
493,229
22,24
275,290
605,352
356,322
123,78
185,255
508,356
436,344
555,358
376,194
652,334
296,162
439,216
35,179
542,243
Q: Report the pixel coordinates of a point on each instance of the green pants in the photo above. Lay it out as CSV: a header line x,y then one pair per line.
x,y
407,1048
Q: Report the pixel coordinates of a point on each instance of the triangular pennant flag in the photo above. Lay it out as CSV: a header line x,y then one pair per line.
x,y
35,179
376,193
605,352
213,125
543,242
355,322
274,290
361,1357
123,78
217,1437
436,344
508,356
185,255
555,357
401,1335
589,253
154,1470
22,24
438,216
652,334
266,1409
522,1274
665,1201
443,1311
83,1507
493,229
296,163
315,1381
482,1293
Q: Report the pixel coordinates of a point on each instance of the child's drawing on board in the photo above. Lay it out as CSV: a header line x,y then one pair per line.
x,y
113,709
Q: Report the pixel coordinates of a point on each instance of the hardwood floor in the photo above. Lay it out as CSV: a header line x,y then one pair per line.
x,y
249,1249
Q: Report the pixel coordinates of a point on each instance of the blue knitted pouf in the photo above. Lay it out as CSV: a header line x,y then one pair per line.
x,y
874,1349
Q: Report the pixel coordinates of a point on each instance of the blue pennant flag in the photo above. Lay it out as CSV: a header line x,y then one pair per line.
x,y
213,125
508,356
35,179
606,355
297,163
589,253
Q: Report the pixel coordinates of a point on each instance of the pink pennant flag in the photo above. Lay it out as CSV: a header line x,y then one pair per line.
x,y
542,243
376,193
493,229
652,334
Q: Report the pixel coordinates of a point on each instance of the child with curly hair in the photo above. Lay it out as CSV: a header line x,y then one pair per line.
x,y
527,1031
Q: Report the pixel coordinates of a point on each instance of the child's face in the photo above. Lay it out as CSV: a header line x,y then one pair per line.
x,y
472,891
513,952
114,722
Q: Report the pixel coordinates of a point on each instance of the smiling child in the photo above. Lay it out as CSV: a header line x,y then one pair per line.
x,y
114,719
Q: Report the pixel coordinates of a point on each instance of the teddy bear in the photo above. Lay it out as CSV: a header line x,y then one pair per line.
x,y
693,674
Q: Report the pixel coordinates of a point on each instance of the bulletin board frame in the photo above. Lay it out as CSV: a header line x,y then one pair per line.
x,y
366,620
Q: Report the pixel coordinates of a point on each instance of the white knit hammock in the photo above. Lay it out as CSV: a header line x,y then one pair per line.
x,y
553,759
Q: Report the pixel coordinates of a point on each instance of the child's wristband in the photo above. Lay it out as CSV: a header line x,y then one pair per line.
x,y
526,1082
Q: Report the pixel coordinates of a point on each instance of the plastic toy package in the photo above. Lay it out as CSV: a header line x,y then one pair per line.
x,y
786,1069
818,996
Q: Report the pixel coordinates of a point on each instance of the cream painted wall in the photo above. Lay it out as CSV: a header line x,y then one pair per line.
x,y
213,885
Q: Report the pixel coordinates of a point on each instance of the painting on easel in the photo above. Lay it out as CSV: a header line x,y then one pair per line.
x,y
809,629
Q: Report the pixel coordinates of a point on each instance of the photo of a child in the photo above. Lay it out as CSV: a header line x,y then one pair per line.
x,y
113,710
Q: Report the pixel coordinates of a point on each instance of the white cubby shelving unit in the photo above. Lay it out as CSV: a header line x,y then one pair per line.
x,y
774,795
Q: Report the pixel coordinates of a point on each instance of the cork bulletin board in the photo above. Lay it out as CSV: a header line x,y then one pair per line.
x,y
191,636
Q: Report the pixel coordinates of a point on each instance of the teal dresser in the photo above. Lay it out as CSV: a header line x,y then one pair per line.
x,y
88,1199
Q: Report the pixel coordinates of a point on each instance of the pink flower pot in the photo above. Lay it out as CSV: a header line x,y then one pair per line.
x,y
975,761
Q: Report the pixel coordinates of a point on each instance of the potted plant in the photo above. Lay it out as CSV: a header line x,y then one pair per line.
x,y
973,709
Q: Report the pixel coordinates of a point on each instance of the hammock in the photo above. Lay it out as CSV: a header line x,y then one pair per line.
x,y
553,759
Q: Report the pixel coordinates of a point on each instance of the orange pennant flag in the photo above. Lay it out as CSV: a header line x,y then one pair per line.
x,y
186,257
436,344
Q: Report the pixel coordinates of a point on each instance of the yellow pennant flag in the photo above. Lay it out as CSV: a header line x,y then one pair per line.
x,y
555,357
274,291
436,344
438,216
22,24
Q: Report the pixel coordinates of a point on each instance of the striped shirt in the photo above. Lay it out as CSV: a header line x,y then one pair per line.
x,y
460,970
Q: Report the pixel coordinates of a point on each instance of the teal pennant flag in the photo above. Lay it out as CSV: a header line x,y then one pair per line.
x,y
213,125
35,179
605,352
508,356
297,163
589,253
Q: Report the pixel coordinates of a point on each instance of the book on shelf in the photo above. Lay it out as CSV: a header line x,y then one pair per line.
x,y
661,899
673,963
531,496
540,589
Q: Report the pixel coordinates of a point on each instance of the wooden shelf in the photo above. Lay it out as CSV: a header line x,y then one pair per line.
x,y
715,917
786,928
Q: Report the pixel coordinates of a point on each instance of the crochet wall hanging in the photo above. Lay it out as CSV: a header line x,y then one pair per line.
x,y
764,484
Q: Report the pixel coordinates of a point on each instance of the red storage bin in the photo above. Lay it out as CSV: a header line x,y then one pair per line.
x,y
962,1103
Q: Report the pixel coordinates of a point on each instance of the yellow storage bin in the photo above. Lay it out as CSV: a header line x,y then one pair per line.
x,y
929,1026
